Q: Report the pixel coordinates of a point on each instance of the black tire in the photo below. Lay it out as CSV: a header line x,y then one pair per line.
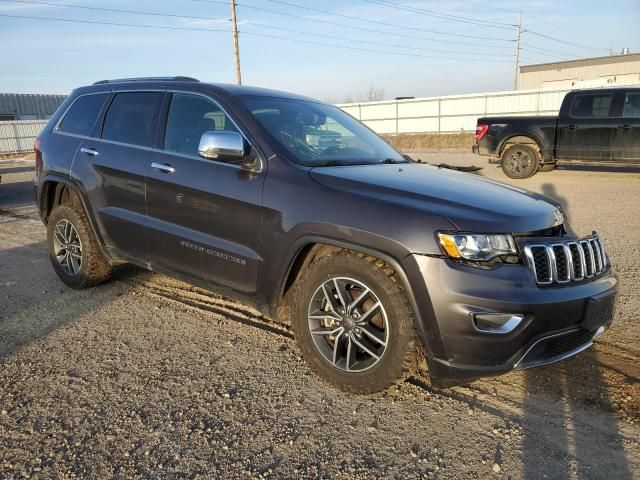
x,y
401,352
92,267
548,167
520,161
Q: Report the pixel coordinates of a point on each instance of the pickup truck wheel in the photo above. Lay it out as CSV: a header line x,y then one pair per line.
x,y
73,250
520,161
548,167
353,323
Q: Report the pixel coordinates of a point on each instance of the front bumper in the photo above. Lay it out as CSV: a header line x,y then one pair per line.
x,y
558,321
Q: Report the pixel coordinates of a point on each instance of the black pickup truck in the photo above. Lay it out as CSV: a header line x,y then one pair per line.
x,y
597,125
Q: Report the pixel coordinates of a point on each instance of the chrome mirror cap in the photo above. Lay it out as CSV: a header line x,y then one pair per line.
x,y
229,146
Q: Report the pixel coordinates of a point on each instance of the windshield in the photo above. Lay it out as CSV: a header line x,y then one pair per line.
x,y
317,135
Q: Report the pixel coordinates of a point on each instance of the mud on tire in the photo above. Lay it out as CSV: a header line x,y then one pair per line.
x,y
69,233
318,295
520,161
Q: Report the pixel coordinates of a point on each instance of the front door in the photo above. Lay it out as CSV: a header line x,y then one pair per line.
x,y
586,131
203,215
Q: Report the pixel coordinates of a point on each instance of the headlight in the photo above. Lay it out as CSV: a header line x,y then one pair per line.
x,y
477,246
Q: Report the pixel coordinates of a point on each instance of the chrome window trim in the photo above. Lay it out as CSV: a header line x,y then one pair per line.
x,y
161,150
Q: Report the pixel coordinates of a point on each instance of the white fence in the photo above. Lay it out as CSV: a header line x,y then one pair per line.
x,y
452,114
18,135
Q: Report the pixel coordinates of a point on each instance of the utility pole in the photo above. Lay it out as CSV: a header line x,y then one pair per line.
x,y
235,42
515,74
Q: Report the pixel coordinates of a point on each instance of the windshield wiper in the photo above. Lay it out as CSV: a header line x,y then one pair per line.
x,y
392,161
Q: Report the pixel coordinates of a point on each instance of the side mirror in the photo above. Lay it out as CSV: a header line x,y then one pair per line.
x,y
224,146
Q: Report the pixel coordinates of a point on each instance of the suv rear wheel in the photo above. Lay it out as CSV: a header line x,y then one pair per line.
x,y
520,161
73,250
353,323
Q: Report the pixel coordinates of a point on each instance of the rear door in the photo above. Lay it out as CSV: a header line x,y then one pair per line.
x,y
626,142
112,169
204,216
586,129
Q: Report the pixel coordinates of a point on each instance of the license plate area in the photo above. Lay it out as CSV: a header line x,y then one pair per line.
x,y
599,311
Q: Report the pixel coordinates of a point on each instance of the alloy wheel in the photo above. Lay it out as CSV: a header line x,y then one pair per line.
x,y
348,324
67,247
519,161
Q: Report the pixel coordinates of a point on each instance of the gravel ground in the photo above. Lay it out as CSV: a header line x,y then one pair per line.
x,y
149,377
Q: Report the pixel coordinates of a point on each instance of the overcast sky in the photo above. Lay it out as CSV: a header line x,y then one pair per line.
x,y
392,48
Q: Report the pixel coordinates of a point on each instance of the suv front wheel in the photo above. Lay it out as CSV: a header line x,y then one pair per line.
x,y
73,250
353,323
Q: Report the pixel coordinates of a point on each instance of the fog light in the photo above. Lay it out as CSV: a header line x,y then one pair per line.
x,y
496,322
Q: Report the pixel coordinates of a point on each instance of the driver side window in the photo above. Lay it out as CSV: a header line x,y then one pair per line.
x,y
189,117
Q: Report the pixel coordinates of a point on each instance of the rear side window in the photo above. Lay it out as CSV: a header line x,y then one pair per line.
x,y
82,115
189,117
631,105
592,105
131,118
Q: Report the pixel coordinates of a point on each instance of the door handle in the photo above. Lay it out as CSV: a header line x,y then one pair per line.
x,y
163,167
92,152
572,127
624,127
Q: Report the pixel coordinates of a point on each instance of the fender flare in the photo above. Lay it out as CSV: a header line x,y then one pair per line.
x,y
306,240
82,196
530,135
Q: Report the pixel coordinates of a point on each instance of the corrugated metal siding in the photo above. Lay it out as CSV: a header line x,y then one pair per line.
x,y
601,71
29,105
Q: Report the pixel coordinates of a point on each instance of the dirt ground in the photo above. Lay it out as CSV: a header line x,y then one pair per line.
x,y
149,377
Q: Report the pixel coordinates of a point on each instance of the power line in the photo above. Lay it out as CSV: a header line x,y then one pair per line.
x,y
96,22
244,32
546,50
353,17
295,40
586,47
442,15
377,22
139,12
368,42
114,10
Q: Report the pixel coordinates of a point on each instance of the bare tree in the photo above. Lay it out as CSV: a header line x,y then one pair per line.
x,y
348,98
374,93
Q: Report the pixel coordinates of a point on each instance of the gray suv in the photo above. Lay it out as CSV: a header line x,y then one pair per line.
x,y
379,263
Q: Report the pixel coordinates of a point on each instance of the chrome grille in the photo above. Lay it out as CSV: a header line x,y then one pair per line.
x,y
564,262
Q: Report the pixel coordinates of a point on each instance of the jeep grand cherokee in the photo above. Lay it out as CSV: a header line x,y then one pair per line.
x,y
376,261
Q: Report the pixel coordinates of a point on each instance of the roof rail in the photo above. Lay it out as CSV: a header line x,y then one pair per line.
x,y
148,79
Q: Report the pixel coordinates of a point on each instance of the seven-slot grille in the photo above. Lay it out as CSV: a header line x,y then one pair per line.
x,y
563,262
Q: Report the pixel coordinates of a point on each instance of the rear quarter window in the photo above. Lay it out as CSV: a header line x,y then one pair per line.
x,y
82,115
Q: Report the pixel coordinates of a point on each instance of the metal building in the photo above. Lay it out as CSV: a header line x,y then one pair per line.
x,y
28,106
584,73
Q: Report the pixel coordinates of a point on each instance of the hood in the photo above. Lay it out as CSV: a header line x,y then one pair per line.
x,y
471,202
